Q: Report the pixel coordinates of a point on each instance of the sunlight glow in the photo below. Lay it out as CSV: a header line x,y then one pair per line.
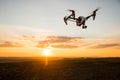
x,y
46,52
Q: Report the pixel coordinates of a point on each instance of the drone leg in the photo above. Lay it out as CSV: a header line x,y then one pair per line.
x,y
78,23
83,25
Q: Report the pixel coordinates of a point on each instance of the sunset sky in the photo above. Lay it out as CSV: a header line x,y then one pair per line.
x,y
27,27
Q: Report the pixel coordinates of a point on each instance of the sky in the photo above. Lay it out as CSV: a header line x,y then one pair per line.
x,y
27,27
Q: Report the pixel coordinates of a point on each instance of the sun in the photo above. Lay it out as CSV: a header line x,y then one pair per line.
x,y
47,52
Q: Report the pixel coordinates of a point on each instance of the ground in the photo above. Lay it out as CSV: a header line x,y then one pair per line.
x,y
61,69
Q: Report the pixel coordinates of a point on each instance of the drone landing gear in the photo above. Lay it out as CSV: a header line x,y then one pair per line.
x,y
84,27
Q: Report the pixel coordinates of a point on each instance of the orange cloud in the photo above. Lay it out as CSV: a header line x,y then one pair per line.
x,y
60,42
106,45
10,44
77,42
28,37
60,39
65,46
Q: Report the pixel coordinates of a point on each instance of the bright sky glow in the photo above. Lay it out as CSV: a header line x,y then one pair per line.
x,y
28,26
46,52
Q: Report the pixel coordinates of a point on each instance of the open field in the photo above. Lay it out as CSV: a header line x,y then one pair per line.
x,y
60,69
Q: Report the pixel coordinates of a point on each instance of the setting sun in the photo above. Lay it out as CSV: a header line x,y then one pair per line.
x,y
47,52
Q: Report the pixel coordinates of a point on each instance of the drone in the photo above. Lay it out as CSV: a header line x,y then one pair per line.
x,y
80,21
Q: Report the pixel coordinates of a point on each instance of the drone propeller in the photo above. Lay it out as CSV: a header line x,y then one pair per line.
x,y
96,9
70,10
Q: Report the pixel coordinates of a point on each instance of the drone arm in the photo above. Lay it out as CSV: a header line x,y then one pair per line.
x,y
88,17
93,14
65,20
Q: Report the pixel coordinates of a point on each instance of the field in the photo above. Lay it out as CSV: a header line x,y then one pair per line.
x,y
60,69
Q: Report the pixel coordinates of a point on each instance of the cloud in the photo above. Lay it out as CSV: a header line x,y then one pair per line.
x,y
29,38
60,42
10,44
106,45
63,42
65,46
78,42
61,39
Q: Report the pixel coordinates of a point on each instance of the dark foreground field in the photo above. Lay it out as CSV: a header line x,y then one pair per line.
x,y
62,69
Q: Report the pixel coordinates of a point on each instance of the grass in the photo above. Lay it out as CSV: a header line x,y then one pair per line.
x,y
62,69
